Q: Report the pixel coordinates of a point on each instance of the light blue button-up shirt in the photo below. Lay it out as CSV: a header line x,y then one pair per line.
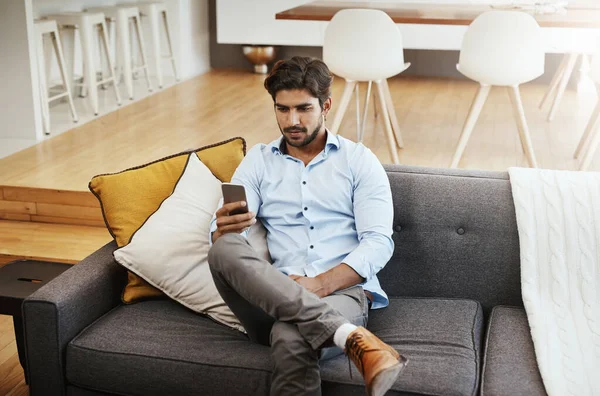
x,y
338,209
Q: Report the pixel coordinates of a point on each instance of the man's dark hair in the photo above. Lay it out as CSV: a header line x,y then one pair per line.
x,y
300,73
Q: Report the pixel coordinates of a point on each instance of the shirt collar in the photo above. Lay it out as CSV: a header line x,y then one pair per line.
x,y
332,142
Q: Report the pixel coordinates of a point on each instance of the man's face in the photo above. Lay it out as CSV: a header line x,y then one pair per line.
x,y
299,116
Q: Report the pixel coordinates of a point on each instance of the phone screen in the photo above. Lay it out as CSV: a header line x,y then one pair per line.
x,y
234,193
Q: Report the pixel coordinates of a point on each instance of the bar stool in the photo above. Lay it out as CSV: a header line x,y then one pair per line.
x,y
50,27
89,24
122,16
154,11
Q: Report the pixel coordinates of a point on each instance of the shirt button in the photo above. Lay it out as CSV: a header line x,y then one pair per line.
x,y
303,182
312,228
305,208
312,246
460,231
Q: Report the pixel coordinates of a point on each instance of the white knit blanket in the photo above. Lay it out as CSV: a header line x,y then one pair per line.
x,y
558,218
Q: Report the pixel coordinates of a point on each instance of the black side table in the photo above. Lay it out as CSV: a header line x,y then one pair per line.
x,y
19,279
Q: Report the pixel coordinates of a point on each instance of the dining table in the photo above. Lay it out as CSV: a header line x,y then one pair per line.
x,y
574,15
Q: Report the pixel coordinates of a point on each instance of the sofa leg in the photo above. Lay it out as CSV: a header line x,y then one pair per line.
x,y
19,337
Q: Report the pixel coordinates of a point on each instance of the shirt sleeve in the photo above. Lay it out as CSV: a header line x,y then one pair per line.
x,y
373,215
247,174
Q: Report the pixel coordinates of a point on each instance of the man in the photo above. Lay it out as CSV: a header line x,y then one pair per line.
x,y
327,206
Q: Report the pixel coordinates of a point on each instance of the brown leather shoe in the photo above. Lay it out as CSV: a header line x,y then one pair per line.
x,y
378,362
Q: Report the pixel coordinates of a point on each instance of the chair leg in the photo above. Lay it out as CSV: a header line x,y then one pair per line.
x,y
41,49
103,65
563,84
113,40
510,97
388,125
344,101
133,34
357,96
63,73
155,30
87,44
48,46
392,112
125,53
142,49
515,97
476,107
170,43
70,62
591,149
83,86
555,80
365,111
110,62
591,126
375,105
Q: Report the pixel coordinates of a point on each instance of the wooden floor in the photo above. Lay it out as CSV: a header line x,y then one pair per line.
x,y
48,182
222,104
12,381
41,241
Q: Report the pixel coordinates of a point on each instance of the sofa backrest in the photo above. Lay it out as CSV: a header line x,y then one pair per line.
x,y
456,236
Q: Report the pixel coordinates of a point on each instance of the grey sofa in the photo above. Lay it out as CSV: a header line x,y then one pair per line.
x,y
455,312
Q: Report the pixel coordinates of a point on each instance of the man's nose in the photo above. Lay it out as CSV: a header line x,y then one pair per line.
x,y
294,118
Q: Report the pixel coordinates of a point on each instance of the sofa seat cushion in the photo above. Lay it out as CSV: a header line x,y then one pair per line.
x,y
160,347
510,366
440,337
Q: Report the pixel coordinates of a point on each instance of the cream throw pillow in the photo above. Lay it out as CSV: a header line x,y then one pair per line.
x,y
170,250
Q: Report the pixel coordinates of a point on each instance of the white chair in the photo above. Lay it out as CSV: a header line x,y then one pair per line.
x,y
366,45
559,82
155,12
591,137
89,25
501,48
50,28
122,16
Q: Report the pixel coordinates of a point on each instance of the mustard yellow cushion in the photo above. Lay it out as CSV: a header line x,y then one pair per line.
x,y
129,197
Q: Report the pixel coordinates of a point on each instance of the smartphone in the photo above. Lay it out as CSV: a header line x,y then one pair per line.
x,y
234,193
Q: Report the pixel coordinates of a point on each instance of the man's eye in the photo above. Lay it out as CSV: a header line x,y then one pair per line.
x,y
281,109
306,109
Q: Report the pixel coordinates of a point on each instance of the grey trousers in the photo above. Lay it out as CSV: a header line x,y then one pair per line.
x,y
278,312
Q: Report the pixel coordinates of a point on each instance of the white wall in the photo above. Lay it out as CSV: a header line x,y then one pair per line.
x,y
19,107
253,22
194,38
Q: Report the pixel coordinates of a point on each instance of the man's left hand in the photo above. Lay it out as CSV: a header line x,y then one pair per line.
x,y
314,285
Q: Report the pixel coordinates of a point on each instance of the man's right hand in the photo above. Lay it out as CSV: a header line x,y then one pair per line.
x,y
227,224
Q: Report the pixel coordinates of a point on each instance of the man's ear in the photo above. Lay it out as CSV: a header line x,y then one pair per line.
x,y
326,106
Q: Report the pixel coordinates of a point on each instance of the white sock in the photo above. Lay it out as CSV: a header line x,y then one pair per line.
x,y
341,334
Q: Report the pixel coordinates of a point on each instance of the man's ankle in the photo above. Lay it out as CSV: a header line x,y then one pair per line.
x,y
341,334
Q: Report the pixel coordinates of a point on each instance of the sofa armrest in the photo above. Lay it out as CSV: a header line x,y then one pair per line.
x,y
58,311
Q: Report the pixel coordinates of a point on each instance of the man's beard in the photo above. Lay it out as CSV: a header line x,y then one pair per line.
x,y
306,140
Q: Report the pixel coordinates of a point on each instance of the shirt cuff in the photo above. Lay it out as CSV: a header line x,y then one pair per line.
x,y
213,228
356,261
